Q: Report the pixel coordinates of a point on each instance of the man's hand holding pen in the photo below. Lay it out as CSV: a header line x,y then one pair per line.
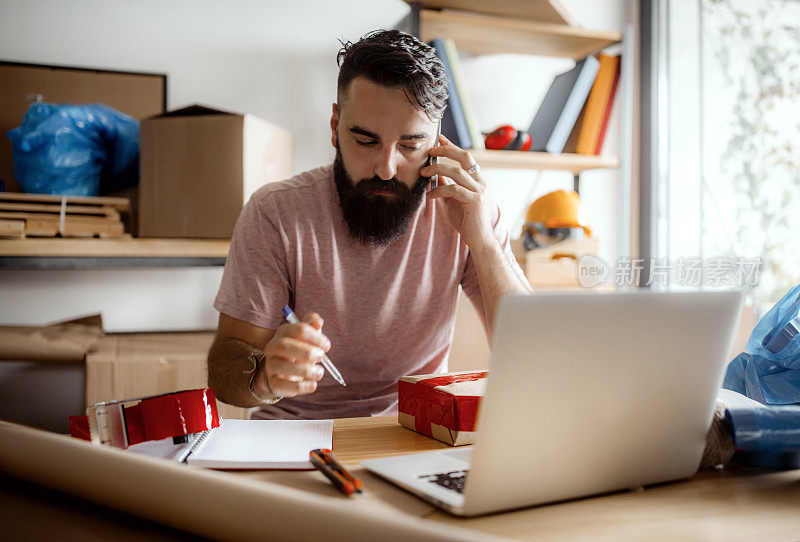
x,y
291,359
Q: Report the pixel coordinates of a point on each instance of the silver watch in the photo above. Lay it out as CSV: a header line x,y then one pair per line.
x,y
253,372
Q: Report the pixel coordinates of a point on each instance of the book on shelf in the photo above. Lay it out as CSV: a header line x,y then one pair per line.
x,y
463,94
589,130
454,125
609,106
594,115
571,146
561,106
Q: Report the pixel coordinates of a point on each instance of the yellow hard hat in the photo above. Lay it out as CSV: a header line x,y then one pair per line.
x,y
559,209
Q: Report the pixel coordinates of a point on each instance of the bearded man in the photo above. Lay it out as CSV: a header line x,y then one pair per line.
x,y
363,248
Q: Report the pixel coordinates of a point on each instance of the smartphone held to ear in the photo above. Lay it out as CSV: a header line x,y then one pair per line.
x,y
433,159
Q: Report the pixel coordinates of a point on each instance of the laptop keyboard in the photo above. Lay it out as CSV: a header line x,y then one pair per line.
x,y
453,480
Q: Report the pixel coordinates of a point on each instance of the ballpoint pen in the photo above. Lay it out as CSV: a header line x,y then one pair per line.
x,y
324,461
292,318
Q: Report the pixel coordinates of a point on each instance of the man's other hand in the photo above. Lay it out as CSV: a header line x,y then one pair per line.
x,y
466,196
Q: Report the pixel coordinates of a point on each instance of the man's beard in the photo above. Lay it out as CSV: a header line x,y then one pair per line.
x,y
373,219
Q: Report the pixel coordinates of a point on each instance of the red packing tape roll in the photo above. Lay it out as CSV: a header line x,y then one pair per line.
x,y
178,414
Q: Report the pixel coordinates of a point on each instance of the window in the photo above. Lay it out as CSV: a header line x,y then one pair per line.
x,y
727,185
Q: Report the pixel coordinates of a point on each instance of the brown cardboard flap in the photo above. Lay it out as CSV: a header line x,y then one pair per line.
x,y
194,110
60,342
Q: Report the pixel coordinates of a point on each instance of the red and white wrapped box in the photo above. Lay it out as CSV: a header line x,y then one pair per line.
x,y
443,406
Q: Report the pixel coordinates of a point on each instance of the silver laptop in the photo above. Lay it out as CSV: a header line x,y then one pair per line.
x,y
587,394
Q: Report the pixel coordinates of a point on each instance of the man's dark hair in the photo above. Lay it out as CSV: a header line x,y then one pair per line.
x,y
396,59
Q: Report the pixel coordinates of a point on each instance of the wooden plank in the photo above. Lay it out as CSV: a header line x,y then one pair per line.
x,y
575,163
156,248
54,218
90,230
120,204
51,225
37,228
543,11
48,228
12,228
487,34
56,208
122,235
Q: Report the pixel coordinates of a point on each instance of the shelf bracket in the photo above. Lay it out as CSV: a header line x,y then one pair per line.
x,y
413,20
576,182
410,23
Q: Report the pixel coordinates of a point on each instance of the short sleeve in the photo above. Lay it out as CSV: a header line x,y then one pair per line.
x,y
469,280
255,282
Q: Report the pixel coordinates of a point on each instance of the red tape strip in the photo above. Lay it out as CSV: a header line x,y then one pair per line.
x,y
79,427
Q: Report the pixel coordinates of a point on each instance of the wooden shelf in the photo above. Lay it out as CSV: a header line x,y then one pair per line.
x,y
111,253
575,163
512,26
489,34
543,11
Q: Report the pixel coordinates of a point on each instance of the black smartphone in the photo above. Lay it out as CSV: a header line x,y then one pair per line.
x,y
433,159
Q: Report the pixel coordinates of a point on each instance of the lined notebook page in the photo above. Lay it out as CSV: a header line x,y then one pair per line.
x,y
262,444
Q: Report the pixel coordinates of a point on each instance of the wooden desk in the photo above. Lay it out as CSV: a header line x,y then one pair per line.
x,y
729,504
732,504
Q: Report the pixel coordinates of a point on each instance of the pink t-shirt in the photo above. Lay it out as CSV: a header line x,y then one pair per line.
x,y
389,311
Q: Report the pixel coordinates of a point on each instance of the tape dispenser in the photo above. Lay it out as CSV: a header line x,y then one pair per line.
x,y
131,421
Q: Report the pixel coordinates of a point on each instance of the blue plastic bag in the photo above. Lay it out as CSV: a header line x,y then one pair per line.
x,y
769,368
75,149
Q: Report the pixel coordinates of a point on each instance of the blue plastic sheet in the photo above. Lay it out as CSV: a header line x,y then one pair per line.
x,y
769,368
75,149
756,427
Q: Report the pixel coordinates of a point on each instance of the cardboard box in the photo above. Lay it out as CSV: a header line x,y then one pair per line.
x,y
443,406
199,166
129,365
48,373
554,266
139,95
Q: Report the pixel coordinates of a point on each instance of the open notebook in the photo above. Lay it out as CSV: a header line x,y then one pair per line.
x,y
247,444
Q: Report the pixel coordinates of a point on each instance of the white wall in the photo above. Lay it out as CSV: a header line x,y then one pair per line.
x,y
274,59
